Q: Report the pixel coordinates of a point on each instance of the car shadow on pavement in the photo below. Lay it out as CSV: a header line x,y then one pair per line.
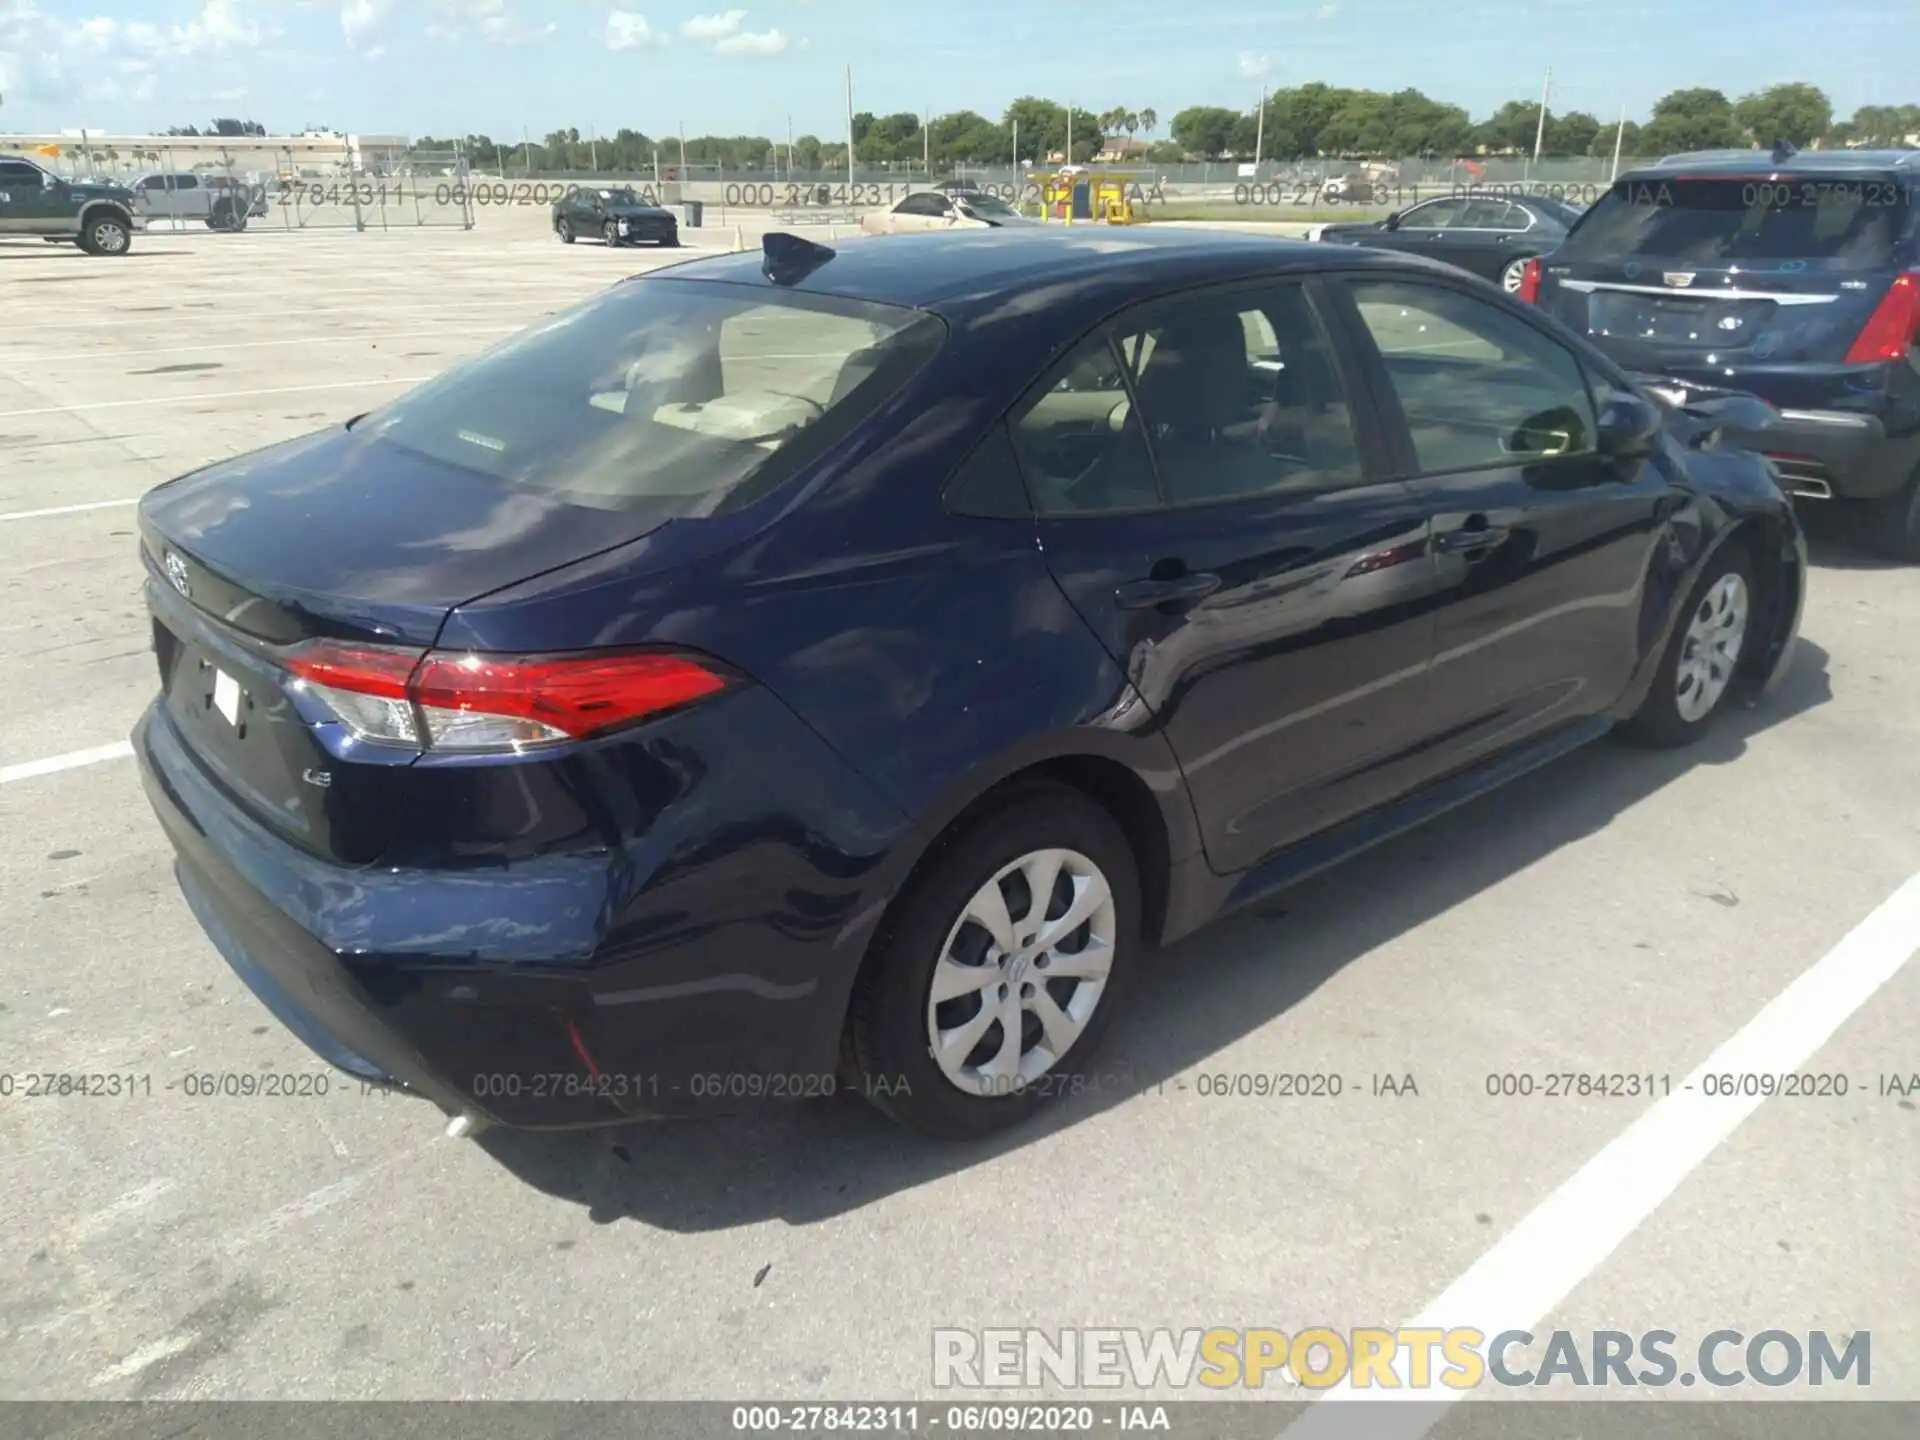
x,y
1837,539
809,1162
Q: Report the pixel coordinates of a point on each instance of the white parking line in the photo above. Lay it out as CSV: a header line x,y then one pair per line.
x,y
72,760
65,509
1537,1264
212,395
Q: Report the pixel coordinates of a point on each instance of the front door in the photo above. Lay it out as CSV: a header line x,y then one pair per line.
x,y
20,185
1210,499
1542,543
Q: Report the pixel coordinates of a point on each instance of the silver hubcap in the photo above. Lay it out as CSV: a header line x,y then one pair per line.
x,y
1712,648
1021,972
109,237
1511,277
613,232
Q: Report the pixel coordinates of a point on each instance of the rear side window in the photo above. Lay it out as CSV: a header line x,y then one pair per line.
x,y
665,390
1847,223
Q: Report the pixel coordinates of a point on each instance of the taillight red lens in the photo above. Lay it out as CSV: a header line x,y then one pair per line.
x,y
1889,331
1529,290
456,702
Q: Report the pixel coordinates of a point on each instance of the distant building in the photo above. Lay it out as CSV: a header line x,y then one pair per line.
x,y
1119,147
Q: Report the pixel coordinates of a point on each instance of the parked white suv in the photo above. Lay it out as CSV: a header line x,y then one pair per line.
x,y
222,202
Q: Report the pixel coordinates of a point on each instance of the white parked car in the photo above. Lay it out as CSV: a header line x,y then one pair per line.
x,y
940,210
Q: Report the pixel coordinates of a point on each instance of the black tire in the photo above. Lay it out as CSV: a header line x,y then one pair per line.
x,y
1659,723
1513,268
1893,523
105,233
610,232
672,242
563,227
888,1023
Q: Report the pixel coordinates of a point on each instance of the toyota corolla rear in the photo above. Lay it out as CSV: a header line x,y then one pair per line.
x,y
452,783
1799,285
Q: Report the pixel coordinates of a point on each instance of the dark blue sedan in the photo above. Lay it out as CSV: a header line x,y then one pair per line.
x,y
817,670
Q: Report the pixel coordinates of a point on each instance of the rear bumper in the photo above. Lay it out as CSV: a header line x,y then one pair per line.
x,y
684,1009
1827,454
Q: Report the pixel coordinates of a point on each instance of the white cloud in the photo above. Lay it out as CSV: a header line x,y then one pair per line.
x,y
1253,65
1327,12
713,27
362,20
45,59
491,18
628,31
747,42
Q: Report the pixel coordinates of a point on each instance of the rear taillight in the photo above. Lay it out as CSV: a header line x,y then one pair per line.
x,y
477,703
1889,331
1529,290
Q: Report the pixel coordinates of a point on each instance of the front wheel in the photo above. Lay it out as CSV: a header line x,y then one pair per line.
x,y
611,232
987,994
1514,273
105,235
1703,656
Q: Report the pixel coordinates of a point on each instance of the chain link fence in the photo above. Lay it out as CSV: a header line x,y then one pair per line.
x,y
263,185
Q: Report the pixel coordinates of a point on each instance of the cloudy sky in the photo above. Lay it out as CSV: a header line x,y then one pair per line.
x,y
447,66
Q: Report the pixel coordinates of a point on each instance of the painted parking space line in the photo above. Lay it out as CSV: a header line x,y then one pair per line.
x,y
65,509
72,760
211,395
1570,1234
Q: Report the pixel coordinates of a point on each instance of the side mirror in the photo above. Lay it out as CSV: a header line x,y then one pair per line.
x,y
1392,222
1629,428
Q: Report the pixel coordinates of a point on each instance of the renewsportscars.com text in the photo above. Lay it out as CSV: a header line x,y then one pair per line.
x,y
1461,1358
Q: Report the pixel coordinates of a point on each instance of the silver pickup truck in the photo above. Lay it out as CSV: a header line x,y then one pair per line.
x,y
221,202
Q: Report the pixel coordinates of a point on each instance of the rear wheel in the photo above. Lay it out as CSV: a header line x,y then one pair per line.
x,y
611,231
1513,274
989,992
1893,526
1703,656
564,229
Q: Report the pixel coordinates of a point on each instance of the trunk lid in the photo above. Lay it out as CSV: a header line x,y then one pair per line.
x,y
334,535
1720,273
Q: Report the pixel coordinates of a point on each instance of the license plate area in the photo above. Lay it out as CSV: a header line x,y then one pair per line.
x,y
1701,324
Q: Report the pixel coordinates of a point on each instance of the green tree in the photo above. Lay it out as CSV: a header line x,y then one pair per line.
x,y
1696,119
1570,134
1796,113
1149,119
1205,130
1602,144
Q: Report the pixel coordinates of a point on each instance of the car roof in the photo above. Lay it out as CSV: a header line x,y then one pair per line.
x,y
964,273
1752,162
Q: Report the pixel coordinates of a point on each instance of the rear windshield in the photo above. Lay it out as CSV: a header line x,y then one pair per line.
x,y
986,205
698,395
1850,223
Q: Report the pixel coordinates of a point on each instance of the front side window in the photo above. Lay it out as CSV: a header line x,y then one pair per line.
x,y
16,172
660,390
1478,387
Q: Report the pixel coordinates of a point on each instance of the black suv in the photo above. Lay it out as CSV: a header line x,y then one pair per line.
x,y
1794,277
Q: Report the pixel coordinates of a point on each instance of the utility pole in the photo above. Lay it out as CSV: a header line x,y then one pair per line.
x,y
683,153
1259,132
593,148
1069,134
926,142
789,147
1540,130
1619,135
526,159
849,134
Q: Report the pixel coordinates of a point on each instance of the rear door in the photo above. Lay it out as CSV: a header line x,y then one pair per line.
x,y
1421,229
20,195
1697,275
1483,237
1209,497
1541,542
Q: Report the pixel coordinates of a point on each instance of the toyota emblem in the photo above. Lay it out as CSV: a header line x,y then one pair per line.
x,y
176,569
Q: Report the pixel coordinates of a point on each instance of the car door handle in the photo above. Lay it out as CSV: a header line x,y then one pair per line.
x,y
1180,590
1476,534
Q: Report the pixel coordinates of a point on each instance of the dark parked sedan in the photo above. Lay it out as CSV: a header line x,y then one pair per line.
x,y
614,213
1492,236
839,669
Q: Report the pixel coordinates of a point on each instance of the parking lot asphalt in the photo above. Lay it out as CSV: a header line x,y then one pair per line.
x,y
1620,912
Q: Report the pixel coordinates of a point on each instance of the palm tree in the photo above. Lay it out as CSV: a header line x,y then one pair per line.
x,y
1148,120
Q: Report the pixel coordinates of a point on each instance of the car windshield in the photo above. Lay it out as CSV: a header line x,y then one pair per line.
x,y
986,205
695,394
1845,222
